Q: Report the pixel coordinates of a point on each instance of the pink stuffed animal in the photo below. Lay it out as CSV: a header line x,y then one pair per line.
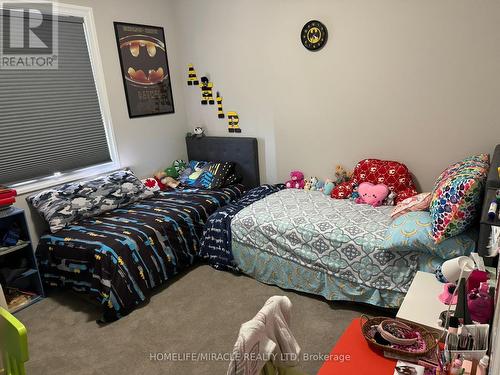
x,y
296,180
372,194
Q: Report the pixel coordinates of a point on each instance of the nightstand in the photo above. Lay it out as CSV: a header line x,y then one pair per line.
x,y
421,304
19,273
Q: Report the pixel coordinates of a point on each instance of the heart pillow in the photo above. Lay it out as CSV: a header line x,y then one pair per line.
x,y
372,194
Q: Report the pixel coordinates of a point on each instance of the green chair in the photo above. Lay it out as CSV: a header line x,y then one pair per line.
x,y
13,345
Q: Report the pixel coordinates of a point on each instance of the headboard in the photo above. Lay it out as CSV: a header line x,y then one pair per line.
x,y
242,150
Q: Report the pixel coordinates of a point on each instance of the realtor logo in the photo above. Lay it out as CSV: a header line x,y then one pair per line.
x,y
29,35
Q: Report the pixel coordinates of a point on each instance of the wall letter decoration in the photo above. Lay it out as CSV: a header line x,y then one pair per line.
x,y
192,79
207,96
220,112
233,122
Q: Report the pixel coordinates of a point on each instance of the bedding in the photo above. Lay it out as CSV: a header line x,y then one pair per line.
x,y
413,231
216,240
120,256
309,242
209,175
74,201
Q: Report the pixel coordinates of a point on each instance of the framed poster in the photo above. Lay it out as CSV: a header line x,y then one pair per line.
x,y
144,68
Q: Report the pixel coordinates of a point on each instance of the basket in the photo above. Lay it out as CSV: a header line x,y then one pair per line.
x,y
429,339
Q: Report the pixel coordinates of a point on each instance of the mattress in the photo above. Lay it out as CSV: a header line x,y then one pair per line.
x,y
309,242
119,257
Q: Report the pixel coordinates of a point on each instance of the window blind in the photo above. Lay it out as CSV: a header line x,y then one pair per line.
x,y
50,120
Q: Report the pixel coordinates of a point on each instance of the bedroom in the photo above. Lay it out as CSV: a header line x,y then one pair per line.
x,y
410,81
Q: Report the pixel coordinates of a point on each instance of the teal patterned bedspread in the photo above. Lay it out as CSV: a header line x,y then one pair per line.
x,y
307,241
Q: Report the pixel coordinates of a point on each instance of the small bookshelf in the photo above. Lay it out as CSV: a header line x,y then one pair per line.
x,y
19,274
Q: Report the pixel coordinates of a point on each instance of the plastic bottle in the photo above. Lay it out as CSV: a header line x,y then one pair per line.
x,y
482,368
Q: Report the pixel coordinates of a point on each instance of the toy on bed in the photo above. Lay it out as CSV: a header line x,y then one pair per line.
x,y
328,187
392,174
372,194
165,181
296,180
341,174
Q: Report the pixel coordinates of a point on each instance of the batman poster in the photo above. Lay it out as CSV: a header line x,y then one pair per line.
x,y
144,67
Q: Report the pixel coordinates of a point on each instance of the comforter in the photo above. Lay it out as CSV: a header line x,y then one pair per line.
x,y
119,257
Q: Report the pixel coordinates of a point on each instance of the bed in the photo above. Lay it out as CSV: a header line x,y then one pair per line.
x,y
306,241
118,258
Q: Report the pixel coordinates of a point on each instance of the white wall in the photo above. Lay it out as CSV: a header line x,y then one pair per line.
x,y
149,143
415,81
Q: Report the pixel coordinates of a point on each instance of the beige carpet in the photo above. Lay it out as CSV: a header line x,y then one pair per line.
x,y
200,311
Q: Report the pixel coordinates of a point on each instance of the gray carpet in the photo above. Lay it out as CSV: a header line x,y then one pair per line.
x,y
200,311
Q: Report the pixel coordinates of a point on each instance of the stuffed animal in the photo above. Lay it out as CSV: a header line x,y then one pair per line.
x,y
172,172
328,187
170,182
372,194
355,193
199,132
313,181
307,184
296,180
391,199
320,185
341,175
159,176
179,165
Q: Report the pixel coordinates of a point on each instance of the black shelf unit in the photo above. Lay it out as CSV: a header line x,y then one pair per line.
x,y
18,266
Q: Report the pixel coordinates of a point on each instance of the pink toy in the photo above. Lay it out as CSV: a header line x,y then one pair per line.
x,y
372,194
296,180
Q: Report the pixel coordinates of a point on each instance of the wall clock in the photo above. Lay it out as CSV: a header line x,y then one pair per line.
x,y
314,35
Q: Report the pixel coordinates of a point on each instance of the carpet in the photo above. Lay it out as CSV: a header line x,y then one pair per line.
x,y
200,311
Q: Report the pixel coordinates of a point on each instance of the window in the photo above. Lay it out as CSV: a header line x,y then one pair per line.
x,y
54,123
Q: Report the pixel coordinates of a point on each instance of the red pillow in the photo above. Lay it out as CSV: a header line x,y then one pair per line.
x,y
395,175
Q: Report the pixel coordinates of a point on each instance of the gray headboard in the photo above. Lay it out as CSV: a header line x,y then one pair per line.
x,y
242,150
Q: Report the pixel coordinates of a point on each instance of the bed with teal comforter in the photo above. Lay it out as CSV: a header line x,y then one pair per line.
x,y
306,241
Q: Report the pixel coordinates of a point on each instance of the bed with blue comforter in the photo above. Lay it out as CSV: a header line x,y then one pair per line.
x,y
306,241
119,257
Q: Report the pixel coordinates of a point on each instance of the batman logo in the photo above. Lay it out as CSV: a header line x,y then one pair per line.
x,y
144,59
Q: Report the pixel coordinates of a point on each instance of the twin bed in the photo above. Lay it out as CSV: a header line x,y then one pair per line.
x,y
295,239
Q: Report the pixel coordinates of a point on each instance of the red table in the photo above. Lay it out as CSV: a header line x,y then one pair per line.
x,y
352,355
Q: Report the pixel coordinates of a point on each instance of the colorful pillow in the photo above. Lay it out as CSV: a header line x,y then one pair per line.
x,y
456,199
420,202
209,175
72,202
393,174
413,232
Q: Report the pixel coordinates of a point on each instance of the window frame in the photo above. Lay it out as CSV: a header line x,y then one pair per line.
x,y
40,183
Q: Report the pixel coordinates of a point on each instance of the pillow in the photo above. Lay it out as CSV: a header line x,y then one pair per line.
x,y
418,202
151,184
393,174
456,199
413,232
209,175
75,201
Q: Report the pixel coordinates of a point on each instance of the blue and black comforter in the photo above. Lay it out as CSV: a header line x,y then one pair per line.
x,y
216,241
120,256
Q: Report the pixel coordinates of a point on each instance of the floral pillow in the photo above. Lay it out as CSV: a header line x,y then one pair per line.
x,y
420,202
72,202
413,232
456,199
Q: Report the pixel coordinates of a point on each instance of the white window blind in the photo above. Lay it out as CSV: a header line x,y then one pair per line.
x,y
50,120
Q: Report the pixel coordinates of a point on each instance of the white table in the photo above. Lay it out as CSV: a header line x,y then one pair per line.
x,y
421,304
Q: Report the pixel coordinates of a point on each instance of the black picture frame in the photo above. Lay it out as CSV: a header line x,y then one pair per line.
x,y
142,51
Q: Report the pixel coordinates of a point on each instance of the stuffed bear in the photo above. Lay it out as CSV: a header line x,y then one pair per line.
x,y
341,175
296,180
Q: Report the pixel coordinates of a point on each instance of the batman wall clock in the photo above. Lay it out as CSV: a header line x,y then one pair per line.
x,y
144,66
314,35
